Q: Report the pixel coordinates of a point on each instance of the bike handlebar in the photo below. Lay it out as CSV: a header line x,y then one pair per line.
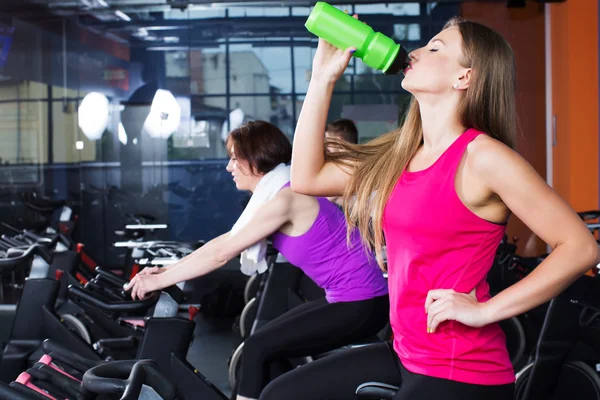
x,y
33,250
113,306
127,377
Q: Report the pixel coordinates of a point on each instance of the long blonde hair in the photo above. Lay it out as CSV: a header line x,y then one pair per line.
x,y
488,106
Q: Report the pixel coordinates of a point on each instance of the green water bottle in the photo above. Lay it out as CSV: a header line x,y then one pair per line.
x,y
342,31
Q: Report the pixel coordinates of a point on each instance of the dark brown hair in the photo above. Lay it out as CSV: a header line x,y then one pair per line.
x,y
261,144
344,129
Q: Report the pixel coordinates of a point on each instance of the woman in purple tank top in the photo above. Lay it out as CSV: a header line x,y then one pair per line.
x,y
311,234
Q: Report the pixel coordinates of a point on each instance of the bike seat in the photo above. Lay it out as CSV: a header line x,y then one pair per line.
x,y
15,252
528,262
18,258
141,217
44,205
130,234
376,391
368,341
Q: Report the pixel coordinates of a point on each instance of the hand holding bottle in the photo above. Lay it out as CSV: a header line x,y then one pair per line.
x,y
339,30
330,62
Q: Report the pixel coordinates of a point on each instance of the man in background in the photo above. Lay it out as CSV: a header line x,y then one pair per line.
x,y
343,129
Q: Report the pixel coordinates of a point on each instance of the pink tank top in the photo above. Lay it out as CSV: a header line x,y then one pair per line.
x,y
435,242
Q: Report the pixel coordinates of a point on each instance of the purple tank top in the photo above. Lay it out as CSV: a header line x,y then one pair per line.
x,y
346,273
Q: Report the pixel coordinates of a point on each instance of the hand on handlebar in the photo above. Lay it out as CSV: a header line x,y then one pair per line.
x,y
142,285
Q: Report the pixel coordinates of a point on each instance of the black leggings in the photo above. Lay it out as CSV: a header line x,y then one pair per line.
x,y
336,378
307,330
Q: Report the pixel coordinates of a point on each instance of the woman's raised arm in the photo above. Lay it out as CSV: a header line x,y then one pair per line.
x,y
310,174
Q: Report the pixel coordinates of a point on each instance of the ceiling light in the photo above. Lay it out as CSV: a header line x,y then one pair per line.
x,y
168,48
93,114
237,118
122,15
122,135
141,32
165,115
193,7
164,28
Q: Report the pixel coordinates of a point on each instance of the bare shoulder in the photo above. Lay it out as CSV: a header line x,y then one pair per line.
x,y
282,202
497,166
296,202
300,210
286,195
486,155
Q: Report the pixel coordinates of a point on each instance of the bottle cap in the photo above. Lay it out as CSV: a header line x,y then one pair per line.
x,y
399,64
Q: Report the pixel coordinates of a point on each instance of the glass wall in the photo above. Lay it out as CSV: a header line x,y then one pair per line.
x,y
210,64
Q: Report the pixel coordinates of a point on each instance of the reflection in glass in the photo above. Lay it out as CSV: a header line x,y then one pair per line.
x,y
303,57
22,133
202,137
254,107
338,101
49,70
392,9
164,117
122,134
237,118
374,114
177,64
407,32
207,71
277,109
195,11
370,80
282,114
301,11
93,115
23,90
66,133
260,69
345,7
258,11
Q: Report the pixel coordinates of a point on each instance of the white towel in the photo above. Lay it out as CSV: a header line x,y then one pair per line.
x,y
253,258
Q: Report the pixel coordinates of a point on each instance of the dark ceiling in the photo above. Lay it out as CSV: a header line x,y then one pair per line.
x,y
143,23
107,8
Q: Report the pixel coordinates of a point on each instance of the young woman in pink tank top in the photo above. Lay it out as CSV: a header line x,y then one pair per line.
x,y
437,192
311,234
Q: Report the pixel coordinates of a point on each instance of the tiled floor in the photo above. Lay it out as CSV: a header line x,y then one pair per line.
x,y
214,343
214,339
